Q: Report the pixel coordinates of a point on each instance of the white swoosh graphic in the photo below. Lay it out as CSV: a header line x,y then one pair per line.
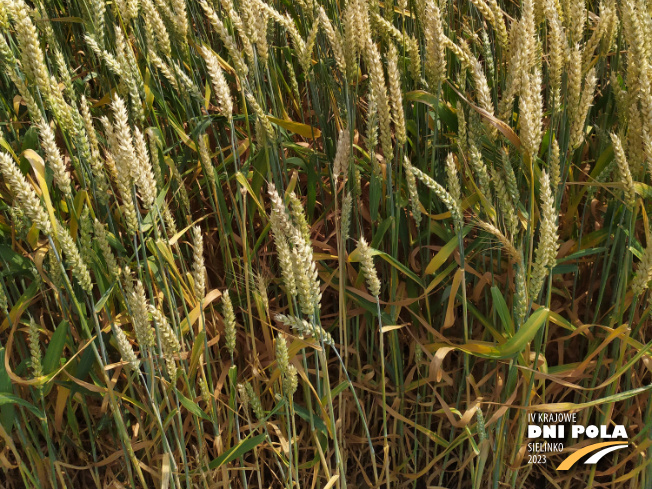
x,y
598,455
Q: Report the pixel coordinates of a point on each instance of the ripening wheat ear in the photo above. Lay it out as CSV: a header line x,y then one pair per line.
x,y
643,275
35,349
32,59
53,157
556,47
155,24
347,208
368,268
249,398
395,94
334,39
289,378
435,49
105,248
504,240
229,43
305,273
281,229
412,191
125,348
144,174
229,323
379,91
305,48
282,355
624,171
244,28
531,107
27,199
169,342
220,87
455,207
454,188
198,267
139,311
305,328
342,154
546,252
262,117
73,257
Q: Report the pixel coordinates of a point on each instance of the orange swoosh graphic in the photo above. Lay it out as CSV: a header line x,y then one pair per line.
x,y
574,457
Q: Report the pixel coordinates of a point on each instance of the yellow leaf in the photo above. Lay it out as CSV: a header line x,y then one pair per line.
x,y
194,314
442,255
299,128
242,180
182,134
450,310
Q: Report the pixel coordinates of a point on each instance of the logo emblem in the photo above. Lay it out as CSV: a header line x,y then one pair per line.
x,y
603,449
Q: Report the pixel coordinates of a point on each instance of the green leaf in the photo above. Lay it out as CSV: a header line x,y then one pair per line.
x,y
502,310
100,304
55,348
193,407
15,263
443,112
524,335
379,234
30,140
305,414
515,344
375,191
7,412
582,253
236,451
11,399
571,406
401,268
442,255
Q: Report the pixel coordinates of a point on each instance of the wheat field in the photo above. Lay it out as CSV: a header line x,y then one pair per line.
x,y
323,244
